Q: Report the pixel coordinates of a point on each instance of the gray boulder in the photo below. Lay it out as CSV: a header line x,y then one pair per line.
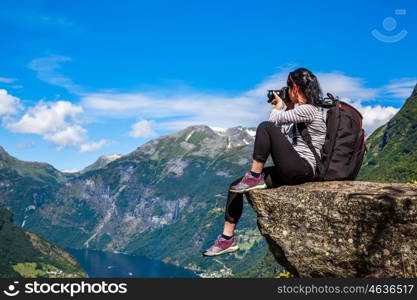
x,y
341,228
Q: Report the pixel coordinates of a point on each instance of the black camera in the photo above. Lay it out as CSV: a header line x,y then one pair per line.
x,y
282,93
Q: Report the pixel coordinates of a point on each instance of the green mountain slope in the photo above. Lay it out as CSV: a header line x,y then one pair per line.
x,y
24,254
165,200
392,155
27,185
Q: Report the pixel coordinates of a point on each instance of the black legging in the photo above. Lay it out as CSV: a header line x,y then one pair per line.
x,y
289,167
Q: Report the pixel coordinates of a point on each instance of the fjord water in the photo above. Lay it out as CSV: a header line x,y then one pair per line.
x,y
117,265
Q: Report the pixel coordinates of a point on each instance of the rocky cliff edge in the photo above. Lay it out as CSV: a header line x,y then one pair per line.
x,y
341,229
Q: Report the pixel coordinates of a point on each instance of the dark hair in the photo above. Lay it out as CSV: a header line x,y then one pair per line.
x,y
307,82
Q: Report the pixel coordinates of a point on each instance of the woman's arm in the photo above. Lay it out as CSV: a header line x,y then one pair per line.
x,y
301,113
275,112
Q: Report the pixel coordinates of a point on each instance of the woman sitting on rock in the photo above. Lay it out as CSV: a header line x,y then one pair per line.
x,y
294,163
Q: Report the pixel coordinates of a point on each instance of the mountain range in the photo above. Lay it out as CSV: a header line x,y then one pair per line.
x,y
165,200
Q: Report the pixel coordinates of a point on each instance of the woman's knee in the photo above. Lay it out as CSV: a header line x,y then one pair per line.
x,y
266,124
269,127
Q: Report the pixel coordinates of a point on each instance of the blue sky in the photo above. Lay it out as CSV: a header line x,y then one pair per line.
x,y
79,79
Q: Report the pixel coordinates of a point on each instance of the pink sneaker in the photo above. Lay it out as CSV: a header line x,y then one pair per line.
x,y
249,183
222,246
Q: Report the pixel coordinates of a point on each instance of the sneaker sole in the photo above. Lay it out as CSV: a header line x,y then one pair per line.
x,y
228,250
257,187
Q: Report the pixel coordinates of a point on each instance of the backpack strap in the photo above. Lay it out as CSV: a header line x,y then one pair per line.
x,y
302,128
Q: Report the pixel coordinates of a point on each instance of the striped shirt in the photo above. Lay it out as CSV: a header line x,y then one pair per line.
x,y
313,117
286,129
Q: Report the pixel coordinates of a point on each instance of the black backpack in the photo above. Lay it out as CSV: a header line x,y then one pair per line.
x,y
344,147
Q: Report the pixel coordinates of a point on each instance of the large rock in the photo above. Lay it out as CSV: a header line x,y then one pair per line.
x,y
341,228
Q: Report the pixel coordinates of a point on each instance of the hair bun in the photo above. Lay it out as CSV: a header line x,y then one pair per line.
x,y
307,82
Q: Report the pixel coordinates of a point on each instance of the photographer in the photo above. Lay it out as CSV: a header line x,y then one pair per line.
x,y
294,163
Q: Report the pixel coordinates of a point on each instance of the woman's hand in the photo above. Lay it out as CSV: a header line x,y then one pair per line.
x,y
277,101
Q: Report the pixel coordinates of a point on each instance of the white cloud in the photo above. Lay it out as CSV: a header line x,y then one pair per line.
x,y
46,117
346,86
116,103
47,70
7,80
177,111
57,122
73,135
400,88
9,104
93,146
215,110
142,129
